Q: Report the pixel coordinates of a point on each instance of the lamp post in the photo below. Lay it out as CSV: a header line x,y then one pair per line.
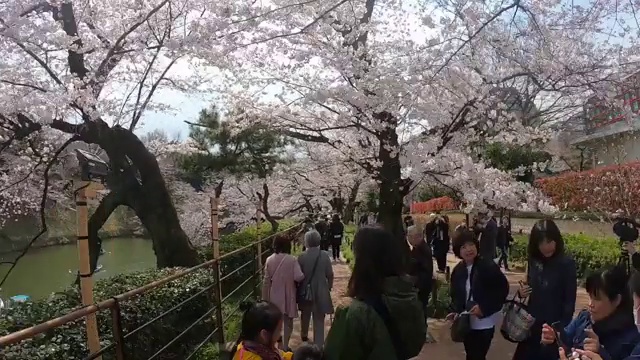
x,y
92,168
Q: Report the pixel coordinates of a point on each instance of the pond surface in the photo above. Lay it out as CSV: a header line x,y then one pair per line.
x,y
46,270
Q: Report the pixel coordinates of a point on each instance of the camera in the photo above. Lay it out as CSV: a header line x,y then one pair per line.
x,y
626,230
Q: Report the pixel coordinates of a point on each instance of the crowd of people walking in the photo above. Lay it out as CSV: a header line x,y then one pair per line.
x,y
387,315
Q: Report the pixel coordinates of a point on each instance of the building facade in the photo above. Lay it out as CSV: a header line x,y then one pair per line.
x,y
612,128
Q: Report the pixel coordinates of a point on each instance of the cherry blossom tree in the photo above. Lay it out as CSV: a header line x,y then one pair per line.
x,y
325,175
407,91
89,71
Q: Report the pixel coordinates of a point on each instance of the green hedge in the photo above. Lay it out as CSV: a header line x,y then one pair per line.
x,y
590,253
68,342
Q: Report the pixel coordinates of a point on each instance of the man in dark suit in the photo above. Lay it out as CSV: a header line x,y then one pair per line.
x,y
323,228
489,237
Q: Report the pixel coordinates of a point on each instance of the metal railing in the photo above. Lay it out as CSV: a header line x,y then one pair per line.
x,y
211,320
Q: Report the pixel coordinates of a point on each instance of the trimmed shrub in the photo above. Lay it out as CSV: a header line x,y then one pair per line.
x,y
604,189
590,254
68,342
444,203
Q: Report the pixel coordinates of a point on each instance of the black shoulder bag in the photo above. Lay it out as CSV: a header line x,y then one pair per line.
x,y
461,325
304,291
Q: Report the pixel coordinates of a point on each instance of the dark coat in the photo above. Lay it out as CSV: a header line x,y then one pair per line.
x,y
617,334
489,239
336,232
429,231
501,241
635,354
489,286
421,267
323,228
553,298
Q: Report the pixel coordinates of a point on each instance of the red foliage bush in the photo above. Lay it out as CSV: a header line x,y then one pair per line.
x,y
604,189
438,204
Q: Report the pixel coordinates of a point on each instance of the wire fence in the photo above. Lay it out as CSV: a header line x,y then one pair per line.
x,y
210,312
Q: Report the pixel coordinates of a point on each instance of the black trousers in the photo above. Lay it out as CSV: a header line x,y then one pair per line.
x,y
324,245
424,292
440,250
477,344
504,257
335,249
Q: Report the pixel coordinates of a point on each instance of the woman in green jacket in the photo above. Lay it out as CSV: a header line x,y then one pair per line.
x,y
385,317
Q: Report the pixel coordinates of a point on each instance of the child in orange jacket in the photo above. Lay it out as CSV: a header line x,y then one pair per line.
x,y
259,333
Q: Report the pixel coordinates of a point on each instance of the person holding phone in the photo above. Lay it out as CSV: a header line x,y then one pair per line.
x,y
634,286
479,287
550,287
607,327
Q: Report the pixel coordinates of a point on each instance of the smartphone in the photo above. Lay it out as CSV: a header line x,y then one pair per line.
x,y
558,328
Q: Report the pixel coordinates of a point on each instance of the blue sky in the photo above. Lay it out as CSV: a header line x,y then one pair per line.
x,y
188,106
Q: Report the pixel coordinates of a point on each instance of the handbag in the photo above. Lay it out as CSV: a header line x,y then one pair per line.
x,y
517,321
461,325
305,293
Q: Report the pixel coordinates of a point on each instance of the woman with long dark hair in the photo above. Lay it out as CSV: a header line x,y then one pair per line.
x,y
480,288
550,286
385,318
259,332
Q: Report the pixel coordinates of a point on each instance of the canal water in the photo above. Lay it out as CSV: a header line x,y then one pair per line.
x,y
46,270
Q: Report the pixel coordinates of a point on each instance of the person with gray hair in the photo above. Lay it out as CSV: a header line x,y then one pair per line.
x,y
314,296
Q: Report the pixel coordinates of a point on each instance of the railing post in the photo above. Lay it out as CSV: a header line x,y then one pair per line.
x,y
86,276
118,337
259,270
217,289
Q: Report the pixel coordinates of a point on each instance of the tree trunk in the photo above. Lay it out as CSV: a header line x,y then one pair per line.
x,y
350,208
136,177
153,205
392,188
264,202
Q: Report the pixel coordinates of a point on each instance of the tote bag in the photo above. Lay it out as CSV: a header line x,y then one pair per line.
x,y
517,321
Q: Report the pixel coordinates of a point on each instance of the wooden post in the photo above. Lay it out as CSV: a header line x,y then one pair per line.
x,y
217,290
260,271
86,277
